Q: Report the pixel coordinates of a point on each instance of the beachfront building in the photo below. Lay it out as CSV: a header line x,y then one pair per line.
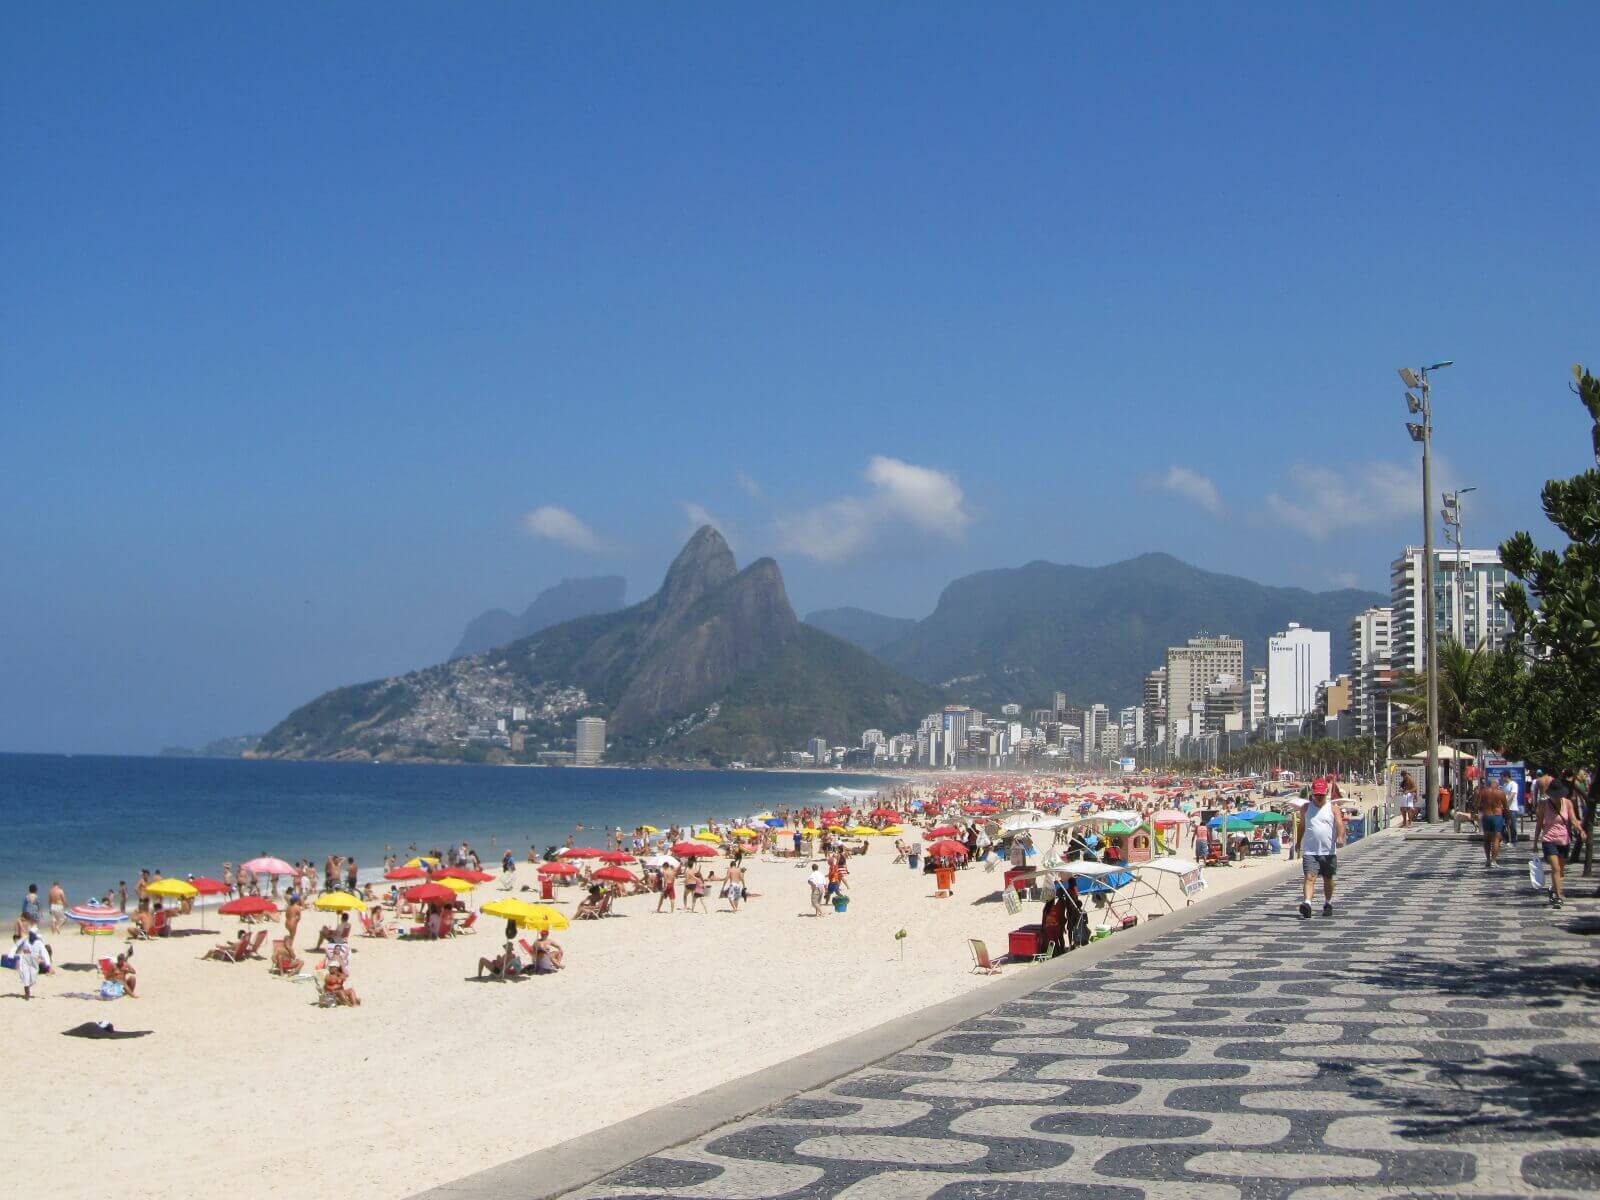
x,y
1131,722
1467,589
818,749
1297,662
1371,672
591,742
1191,669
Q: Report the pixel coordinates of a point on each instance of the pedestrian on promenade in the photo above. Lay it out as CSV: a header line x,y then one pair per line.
x,y
1554,827
1491,800
1408,799
1508,785
1319,836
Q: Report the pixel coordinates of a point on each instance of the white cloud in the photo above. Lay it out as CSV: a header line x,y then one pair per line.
x,y
699,515
1345,579
1194,485
750,486
558,524
902,494
1322,501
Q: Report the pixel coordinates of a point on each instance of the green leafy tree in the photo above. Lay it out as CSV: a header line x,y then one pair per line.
x,y
1556,608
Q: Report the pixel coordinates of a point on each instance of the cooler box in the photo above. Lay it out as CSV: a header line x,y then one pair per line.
x,y
945,879
841,903
1018,879
1025,942
547,888
915,860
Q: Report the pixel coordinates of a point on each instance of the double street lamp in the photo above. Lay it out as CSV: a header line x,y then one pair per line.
x,y
1422,431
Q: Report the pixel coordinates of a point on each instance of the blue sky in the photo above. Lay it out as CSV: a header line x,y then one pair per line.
x,y
326,328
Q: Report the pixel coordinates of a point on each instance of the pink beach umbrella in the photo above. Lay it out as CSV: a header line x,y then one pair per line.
x,y
268,866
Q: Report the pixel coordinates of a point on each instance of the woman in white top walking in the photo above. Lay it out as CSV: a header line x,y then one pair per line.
x,y
1319,836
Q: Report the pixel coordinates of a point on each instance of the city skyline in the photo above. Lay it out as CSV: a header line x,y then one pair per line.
x,y
309,374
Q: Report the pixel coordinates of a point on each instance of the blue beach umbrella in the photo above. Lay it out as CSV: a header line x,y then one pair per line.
x,y
775,822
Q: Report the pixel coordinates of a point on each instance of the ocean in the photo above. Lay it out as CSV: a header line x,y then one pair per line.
x,y
91,821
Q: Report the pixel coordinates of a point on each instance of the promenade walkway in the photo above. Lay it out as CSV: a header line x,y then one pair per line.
x,y
1439,1037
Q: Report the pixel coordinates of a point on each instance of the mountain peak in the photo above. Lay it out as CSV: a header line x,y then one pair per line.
x,y
704,564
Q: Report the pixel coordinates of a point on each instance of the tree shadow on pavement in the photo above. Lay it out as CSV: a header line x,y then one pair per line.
x,y
1548,1092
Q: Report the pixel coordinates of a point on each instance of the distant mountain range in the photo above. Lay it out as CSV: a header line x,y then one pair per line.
x,y
869,630
1022,633
714,666
567,600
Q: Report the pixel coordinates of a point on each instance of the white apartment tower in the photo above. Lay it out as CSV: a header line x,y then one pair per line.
x,y
591,744
1467,588
1371,671
1298,660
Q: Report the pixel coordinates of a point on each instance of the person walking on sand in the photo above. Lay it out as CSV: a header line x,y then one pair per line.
x,y
32,956
1491,800
819,888
669,888
1320,834
58,907
734,888
1553,826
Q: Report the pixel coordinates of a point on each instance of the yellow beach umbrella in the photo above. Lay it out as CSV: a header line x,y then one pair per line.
x,y
836,829
811,830
762,817
423,861
706,835
340,902
891,830
745,833
457,885
864,831
649,829
542,916
177,888
512,908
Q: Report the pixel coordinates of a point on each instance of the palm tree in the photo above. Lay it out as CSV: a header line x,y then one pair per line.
x,y
1463,680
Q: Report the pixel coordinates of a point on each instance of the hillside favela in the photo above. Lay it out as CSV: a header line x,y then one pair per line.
x,y
735,602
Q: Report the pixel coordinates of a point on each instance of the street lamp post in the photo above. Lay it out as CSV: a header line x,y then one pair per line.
x,y
1422,431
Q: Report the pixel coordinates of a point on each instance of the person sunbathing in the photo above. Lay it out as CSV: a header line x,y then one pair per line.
x,y
230,951
284,961
337,984
548,955
122,971
339,933
375,925
505,965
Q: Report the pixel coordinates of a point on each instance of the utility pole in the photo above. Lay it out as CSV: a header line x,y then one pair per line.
x,y
1423,432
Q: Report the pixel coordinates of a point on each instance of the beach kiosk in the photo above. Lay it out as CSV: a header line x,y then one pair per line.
x,y
1132,841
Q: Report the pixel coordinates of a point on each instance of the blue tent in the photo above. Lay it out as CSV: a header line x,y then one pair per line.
x,y
1108,883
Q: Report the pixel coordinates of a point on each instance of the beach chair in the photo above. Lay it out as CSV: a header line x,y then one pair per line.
x,y
324,999
982,964
108,970
466,926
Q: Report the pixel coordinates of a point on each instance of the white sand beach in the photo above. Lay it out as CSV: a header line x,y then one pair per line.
x,y
435,1076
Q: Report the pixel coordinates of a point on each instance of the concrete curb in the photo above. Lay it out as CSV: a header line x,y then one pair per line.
x,y
557,1170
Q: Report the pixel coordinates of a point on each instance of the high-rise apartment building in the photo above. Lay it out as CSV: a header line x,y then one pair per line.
x,y
1155,698
591,744
1095,719
1467,606
818,749
1371,672
1193,668
1131,722
1297,661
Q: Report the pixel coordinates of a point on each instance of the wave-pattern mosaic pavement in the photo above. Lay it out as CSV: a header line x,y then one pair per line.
x,y
1438,1037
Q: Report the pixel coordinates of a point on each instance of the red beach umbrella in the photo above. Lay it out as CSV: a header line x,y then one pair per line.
x,y
617,856
207,886
248,906
581,852
558,868
615,875
887,813
430,893
947,849
694,850
941,831
406,873
463,873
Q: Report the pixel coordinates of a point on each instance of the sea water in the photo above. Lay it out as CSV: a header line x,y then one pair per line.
x,y
92,821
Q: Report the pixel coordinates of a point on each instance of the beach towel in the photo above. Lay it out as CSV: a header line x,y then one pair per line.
x,y
103,1029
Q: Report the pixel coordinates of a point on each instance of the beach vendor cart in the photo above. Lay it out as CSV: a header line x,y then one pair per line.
x,y
1167,878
